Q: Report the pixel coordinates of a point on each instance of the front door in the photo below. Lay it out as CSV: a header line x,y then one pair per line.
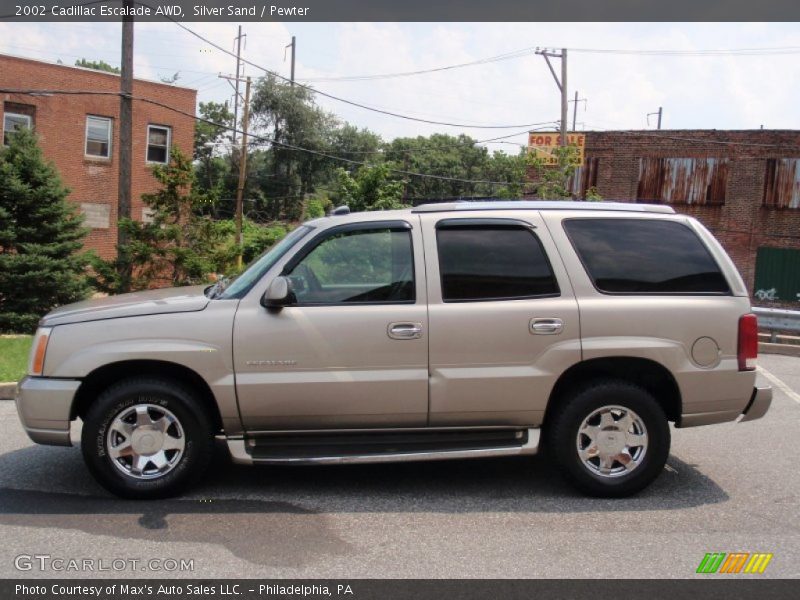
x,y
352,351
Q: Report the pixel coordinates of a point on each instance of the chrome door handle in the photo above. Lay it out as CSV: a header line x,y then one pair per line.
x,y
546,326
405,331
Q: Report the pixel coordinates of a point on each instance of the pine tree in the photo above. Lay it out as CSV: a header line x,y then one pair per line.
x,y
40,236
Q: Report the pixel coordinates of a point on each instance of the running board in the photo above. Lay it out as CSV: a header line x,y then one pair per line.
x,y
249,452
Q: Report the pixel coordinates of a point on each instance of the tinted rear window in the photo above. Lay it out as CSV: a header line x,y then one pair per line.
x,y
645,257
492,263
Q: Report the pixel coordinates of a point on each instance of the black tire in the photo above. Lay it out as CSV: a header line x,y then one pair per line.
x,y
562,437
197,434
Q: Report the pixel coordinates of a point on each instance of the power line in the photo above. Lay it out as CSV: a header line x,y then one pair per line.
x,y
44,92
482,61
764,51
522,52
338,98
258,137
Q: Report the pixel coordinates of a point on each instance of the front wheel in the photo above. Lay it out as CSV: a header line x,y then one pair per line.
x,y
146,438
611,438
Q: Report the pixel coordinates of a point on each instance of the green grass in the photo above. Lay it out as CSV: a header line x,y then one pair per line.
x,y
14,357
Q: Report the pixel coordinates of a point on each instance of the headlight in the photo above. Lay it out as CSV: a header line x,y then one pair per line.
x,y
38,350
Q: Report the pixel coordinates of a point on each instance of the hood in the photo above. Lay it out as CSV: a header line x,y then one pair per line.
x,y
151,302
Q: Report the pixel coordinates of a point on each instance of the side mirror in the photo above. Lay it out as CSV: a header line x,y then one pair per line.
x,y
278,294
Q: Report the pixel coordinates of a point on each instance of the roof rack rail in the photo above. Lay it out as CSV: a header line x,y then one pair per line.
x,y
543,205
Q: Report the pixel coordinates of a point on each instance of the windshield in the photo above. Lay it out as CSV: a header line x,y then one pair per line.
x,y
241,284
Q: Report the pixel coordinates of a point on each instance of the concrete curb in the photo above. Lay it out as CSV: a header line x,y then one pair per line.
x,y
7,390
785,349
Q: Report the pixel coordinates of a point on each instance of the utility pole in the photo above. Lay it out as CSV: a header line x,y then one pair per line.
x,y
242,165
238,39
125,137
242,174
293,46
575,109
561,83
659,113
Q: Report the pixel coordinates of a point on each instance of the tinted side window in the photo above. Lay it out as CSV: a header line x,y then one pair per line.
x,y
645,256
357,266
492,263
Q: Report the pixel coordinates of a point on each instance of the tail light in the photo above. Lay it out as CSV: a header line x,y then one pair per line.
x,y
748,342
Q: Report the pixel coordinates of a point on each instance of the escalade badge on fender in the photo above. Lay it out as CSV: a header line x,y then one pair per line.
x,y
271,363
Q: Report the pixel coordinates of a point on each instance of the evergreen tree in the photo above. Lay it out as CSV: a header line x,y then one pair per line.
x,y
40,235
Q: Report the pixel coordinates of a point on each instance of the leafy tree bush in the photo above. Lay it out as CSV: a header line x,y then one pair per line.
x,y
40,236
315,208
178,246
97,65
257,238
550,182
370,188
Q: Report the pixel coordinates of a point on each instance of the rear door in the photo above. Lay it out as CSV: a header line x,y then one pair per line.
x,y
502,316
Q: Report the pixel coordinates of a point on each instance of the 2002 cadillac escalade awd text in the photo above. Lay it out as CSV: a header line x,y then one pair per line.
x,y
445,331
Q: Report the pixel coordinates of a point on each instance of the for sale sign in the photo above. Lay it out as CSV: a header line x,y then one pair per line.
x,y
543,143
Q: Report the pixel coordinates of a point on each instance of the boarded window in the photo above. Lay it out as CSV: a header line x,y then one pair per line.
x,y
782,183
583,178
777,275
683,180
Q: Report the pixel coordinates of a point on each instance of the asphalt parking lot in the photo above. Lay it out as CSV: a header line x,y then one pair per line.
x,y
727,488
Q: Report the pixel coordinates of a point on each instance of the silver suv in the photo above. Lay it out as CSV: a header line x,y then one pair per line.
x,y
444,331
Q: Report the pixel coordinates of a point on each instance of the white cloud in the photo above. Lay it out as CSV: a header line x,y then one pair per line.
x,y
696,92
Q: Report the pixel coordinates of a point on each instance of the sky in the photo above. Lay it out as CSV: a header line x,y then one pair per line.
x,y
740,90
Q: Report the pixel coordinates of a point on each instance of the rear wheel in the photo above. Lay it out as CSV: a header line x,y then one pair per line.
x,y
611,438
146,438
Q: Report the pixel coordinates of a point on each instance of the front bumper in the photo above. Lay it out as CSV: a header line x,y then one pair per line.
x,y
758,405
44,406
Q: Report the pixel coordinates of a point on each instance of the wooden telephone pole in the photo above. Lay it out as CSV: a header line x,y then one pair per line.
x,y
125,140
242,173
293,46
660,112
562,85
242,164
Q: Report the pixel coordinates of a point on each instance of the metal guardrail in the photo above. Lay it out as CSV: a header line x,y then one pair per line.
x,y
777,319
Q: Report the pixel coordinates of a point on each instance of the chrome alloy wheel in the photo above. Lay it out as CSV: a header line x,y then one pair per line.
x,y
612,441
145,441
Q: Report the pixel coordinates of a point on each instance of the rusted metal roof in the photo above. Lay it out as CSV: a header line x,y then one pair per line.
x,y
682,180
782,183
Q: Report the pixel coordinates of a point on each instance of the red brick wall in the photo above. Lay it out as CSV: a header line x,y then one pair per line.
x,y
60,122
742,224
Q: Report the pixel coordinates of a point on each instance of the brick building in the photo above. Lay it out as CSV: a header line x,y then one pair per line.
x,y
743,185
80,134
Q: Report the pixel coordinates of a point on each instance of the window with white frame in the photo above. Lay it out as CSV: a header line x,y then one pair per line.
x,y
12,122
158,141
98,137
